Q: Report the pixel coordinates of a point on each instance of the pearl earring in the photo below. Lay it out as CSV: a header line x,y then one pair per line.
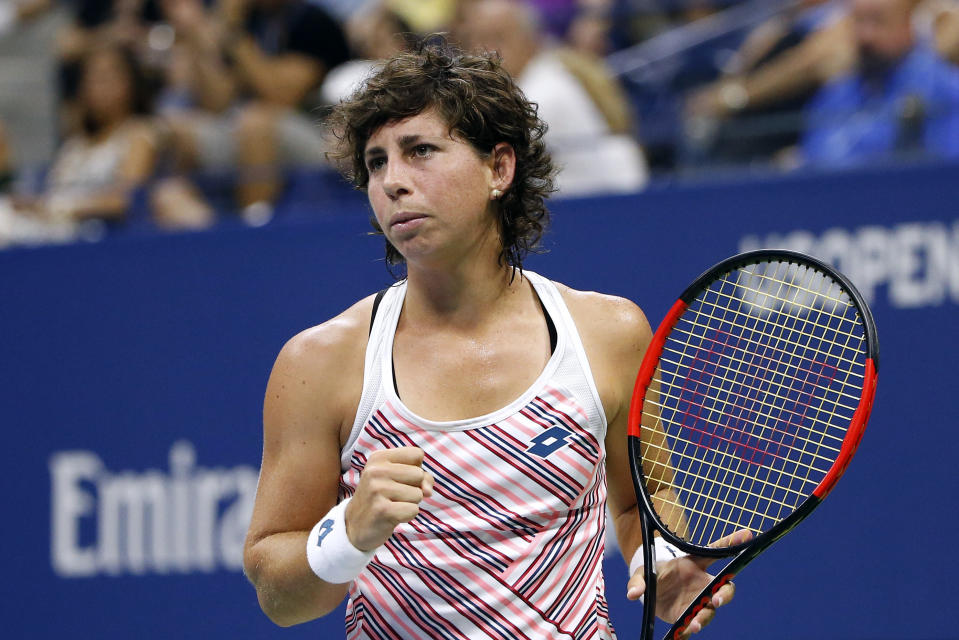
x,y
495,194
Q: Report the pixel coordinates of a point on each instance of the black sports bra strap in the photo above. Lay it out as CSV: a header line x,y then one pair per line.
x,y
551,327
376,305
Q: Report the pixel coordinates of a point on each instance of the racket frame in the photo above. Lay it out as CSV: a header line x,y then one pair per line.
x,y
752,548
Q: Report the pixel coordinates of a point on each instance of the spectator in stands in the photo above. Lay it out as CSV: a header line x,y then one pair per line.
x,y
426,16
375,33
13,13
591,26
589,119
97,171
254,66
755,108
938,20
902,98
123,23
6,161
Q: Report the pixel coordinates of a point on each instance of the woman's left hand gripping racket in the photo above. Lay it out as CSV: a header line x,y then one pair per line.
x,y
750,402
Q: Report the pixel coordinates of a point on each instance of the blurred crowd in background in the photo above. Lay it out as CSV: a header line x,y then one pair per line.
x,y
149,115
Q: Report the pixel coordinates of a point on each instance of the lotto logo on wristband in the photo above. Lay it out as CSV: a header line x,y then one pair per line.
x,y
323,531
337,561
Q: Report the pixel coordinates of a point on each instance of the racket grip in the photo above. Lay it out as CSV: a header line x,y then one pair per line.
x,y
700,603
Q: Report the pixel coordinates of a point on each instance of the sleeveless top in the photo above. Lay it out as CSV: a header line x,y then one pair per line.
x,y
84,166
510,544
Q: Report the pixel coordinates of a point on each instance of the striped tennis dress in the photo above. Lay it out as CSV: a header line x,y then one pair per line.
x,y
510,545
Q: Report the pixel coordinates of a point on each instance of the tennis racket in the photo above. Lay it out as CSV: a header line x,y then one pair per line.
x,y
750,402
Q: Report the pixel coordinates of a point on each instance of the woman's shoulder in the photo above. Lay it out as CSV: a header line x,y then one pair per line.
x,y
615,312
320,370
613,323
615,335
139,130
334,342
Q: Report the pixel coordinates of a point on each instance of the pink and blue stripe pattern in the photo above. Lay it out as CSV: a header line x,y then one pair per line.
x,y
510,545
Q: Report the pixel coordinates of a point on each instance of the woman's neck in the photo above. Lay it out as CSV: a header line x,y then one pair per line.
x,y
460,295
105,129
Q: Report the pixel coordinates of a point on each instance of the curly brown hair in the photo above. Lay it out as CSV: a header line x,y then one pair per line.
x,y
481,103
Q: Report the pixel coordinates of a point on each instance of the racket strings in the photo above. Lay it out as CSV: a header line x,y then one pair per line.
x,y
745,317
799,293
765,404
774,397
843,389
695,328
727,490
688,459
750,403
844,327
743,489
787,499
857,334
858,338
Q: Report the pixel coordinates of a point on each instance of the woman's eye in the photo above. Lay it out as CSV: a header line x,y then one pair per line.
x,y
375,164
422,150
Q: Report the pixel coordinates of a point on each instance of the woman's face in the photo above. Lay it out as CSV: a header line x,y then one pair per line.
x,y
106,90
431,191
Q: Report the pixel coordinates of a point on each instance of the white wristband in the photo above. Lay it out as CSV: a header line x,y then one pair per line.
x,y
664,553
331,555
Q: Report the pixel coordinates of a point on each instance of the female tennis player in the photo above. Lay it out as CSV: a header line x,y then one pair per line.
x,y
444,452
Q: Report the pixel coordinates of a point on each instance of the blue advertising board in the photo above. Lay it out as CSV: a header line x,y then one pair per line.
x,y
133,373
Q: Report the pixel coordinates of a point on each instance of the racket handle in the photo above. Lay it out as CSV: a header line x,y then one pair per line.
x,y
699,604
648,629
